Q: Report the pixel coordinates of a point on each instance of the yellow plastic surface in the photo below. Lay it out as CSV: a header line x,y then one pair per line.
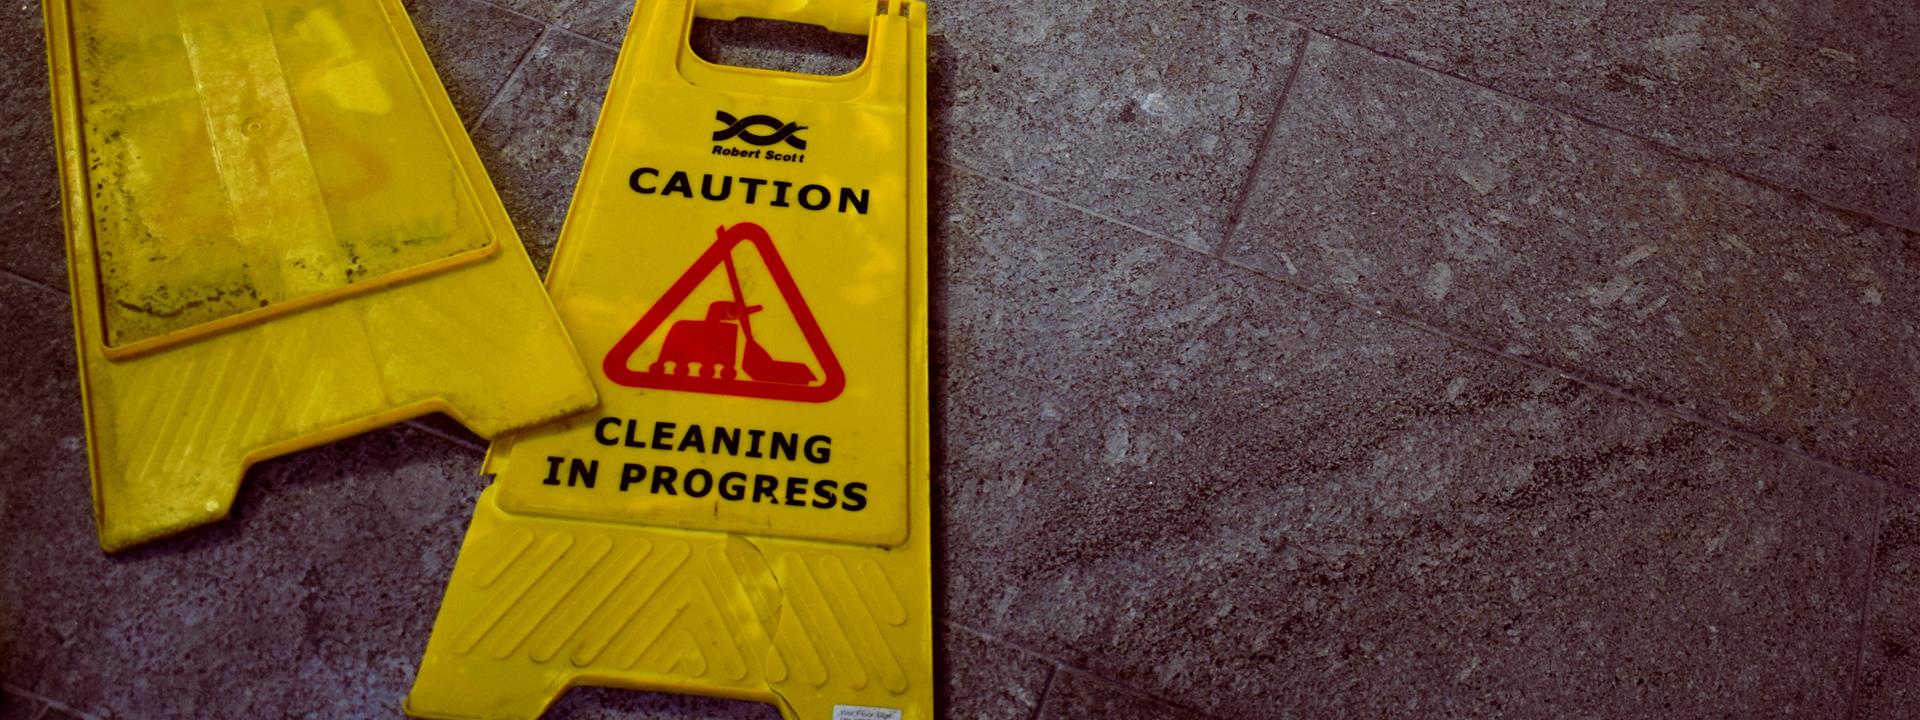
x,y
746,513
278,235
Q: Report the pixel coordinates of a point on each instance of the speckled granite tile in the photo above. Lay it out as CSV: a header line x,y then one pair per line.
x,y
34,244
1808,94
985,680
535,137
592,703
1890,664
1077,696
1149,111
1260,503
474,47
542,10
1542,235
603,20
14,706
319,591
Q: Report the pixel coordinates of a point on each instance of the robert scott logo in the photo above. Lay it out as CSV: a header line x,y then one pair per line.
x,y
759,131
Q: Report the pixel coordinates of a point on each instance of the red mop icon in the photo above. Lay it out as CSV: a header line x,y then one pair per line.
x,y
718,354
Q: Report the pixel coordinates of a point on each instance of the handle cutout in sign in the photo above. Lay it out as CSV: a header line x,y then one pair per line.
x,y
777,45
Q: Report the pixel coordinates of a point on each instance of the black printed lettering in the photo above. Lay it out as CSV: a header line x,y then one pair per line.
x,y
663,479
693,439
706,188
719,188
753,186
819,195
856,201
678,183
582,473
726,437
630,474
819,449
633,180
697,482
600,430
787,444
764,487
733,486
823,494
856,497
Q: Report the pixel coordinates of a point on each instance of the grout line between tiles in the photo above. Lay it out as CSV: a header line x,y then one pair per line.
x,y
36,283
962,166
551,24
47,705
40,708
1046,688
1746,436
1866,606
512,77
1664,148
583,36
501,91
510,10
1061,664
1235,216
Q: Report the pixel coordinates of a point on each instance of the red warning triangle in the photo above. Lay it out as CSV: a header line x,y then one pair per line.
x,y
718,355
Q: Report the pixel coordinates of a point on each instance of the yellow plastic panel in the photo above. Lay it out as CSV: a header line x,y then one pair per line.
x,y
278,235
746,513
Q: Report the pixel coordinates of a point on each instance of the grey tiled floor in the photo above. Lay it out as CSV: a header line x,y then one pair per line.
x,y
1293,359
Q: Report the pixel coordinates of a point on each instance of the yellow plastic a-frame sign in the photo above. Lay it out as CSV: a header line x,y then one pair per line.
x,y
746,514
278,235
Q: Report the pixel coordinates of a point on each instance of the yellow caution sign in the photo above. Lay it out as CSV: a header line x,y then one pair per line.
x,y
746,514
278,235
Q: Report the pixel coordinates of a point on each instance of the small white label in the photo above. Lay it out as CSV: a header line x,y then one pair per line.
x,y
862,712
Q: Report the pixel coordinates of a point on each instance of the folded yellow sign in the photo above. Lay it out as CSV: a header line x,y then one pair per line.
x,y
278,235
746,514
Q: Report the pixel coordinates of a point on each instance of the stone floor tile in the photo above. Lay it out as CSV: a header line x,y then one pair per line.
x,y
1149,111
986,680
15,706
1078,696
1890,671
33,245
474,47
319,591
591,703
602,20
1807,94
1534,232
542,10
1259,502
536,135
